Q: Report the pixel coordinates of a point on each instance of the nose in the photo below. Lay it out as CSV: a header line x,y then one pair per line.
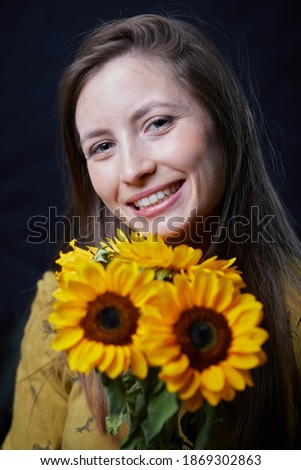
x,y
137,162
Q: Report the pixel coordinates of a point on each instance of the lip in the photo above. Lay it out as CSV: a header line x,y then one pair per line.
x,y
153,211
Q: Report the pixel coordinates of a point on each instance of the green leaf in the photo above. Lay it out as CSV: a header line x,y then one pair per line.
x,y
162,406
113,424
104,378
163,274
211,417
116,396
134,441
102,256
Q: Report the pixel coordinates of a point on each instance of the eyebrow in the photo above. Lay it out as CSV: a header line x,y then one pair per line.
x,y
147,107
93,134
138,114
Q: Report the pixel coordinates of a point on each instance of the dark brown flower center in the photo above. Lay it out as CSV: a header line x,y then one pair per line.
x,y
111,319
204,336
201,334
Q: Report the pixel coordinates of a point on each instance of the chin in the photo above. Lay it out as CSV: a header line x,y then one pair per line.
x,y
177,236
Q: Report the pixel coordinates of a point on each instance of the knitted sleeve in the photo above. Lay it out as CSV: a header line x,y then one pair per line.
x,y
41,391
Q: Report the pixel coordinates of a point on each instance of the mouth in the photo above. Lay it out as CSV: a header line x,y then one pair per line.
x,y
158,197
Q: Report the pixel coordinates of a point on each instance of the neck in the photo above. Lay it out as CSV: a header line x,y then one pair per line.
x,y
200,232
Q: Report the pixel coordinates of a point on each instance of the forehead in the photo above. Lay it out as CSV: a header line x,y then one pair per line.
x,y
131,74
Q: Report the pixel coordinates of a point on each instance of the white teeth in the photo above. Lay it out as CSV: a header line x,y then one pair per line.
x,y
153,198
157,197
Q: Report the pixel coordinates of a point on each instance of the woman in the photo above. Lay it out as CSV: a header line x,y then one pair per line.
x,y
159,135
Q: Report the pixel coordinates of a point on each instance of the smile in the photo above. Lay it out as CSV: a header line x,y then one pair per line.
x,y
158,197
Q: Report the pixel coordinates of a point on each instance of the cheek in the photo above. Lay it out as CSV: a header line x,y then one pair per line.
x,y
206,165
215,174
193,147
216,180
104,184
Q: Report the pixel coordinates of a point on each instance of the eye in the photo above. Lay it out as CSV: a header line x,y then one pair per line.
x,y
101,150
160,124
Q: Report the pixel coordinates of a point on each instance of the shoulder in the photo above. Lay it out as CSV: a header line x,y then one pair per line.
x,y
45,288
37,324
36,349
42,302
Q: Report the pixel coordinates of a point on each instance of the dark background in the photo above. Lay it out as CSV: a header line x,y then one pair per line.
x,y
37,39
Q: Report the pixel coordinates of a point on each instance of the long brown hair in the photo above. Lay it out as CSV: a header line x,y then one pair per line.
x,y
267,250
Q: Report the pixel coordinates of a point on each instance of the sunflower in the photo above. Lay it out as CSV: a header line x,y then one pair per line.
x,y
71,258
204,335
152,252
96,315
222,267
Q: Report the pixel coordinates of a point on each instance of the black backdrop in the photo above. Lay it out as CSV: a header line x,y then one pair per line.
x,y
37,39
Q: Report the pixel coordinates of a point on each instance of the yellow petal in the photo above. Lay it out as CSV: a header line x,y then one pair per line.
x,y
152,323
177,367
77,307
92,274
96,353
138,363
243,361
224,296
190,389
73,355
159,357
63,321
108,356
117,365
213,398
127,357
163,340
195,402
256,334
185,256
78,357
81,291
174,384
67,338
65,295
213,378
141,296
144,279
247,377
64,315
234,377
243,345
184,292
168,302
121,277
151,311
245,311
259,335
208,283
228,393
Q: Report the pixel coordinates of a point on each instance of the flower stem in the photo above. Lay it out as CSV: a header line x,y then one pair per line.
x,y
205,431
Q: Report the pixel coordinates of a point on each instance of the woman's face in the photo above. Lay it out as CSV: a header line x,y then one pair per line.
x,y
152,151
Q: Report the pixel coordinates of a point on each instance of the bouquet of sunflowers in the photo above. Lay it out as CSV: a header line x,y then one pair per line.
x,y
171,335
